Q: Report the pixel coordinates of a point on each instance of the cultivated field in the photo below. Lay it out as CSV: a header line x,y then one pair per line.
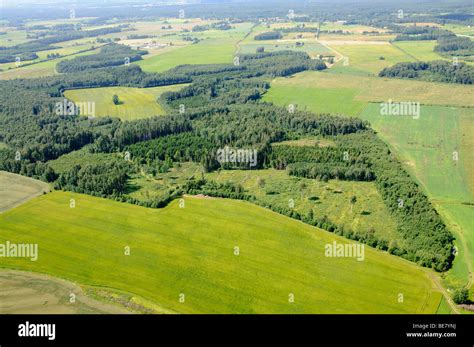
x,y
426,146
16,189
367,59
326,92
184,259
205,52
419,50
32,293
135,103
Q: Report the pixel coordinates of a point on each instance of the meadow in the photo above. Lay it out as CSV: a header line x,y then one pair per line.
x,y
135,103
215,47
41,66
419,50
367,59
331,199
184,259
313,48
426,147
323,92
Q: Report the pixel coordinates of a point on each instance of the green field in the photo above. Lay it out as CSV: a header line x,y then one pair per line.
x,y
426,146
312,48
218,51
368,59
190,251
67,161
327,100
323,92
136,103
419,50
16,189
41,69
324,198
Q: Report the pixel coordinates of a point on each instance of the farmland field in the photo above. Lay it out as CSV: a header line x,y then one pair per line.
x,y
16,189
419,50
173,253
368,59
338,93
27,293
429,156
40,69
205,52
213,153
135,103
313,48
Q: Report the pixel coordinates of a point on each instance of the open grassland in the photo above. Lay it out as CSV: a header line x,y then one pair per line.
x,y
32,293
323,92
460,29
41,69
313,48
190,251
144,186
205,52
368,59
419,50
67,162
216,47
331,199
428,147
135,103
12,37
16,189
326,100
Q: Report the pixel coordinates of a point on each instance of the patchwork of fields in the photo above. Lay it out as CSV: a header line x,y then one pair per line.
x,y
213,255
191,251
426,145
326,92
429,147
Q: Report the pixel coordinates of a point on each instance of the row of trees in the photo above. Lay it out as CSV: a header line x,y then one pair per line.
x,y
439,71
109,55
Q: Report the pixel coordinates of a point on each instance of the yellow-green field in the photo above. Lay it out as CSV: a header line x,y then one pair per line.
x,y
186,260
331,199
135,103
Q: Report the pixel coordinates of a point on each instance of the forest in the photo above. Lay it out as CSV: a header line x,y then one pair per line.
x,y
437,71
110,55
223,108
